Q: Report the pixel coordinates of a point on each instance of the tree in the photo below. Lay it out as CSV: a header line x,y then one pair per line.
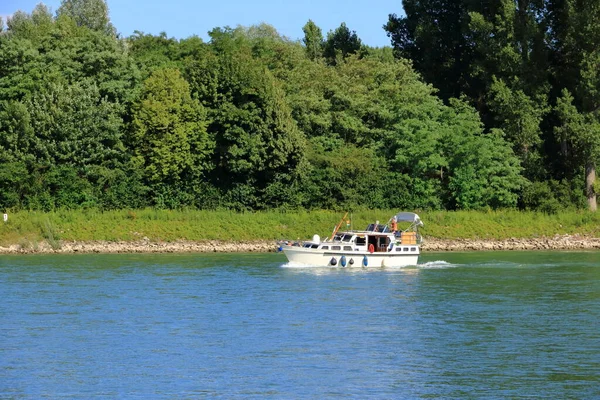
x,y
75,125
259,149
153,52
581,132
89,13
41,16
432,35
13,184
520,118
169,138
513,59
17,136
341,43
313,40
575,39
482,170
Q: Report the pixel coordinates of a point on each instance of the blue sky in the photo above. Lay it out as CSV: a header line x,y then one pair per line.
x,y
183,18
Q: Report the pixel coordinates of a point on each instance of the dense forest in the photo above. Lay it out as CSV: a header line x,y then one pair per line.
x,y
475,105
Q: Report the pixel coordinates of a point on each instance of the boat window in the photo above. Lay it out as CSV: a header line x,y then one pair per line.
x,y
398,248
325,247
413,249
337,238
314,246
336,247
361,240
406,249
347,238
307,245
348,248
377,228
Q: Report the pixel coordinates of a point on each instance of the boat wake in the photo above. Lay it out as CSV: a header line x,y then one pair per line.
x,y
428,265
300,265
436,265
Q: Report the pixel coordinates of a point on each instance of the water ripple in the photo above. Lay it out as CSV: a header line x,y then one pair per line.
x,y
470,325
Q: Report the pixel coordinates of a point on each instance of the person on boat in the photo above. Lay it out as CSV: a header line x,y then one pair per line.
x,y
394,224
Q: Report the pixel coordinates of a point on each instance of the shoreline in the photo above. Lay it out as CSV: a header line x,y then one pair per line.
x,y
557,242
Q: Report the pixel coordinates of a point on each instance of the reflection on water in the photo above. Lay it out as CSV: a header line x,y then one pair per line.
x,y
458,325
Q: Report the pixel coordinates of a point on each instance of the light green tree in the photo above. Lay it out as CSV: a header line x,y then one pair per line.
x,y
89,13
169,136
313,40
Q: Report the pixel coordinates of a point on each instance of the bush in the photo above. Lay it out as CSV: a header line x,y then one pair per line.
x,y
552,196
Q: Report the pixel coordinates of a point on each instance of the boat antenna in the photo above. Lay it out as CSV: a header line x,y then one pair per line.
x,y
339,225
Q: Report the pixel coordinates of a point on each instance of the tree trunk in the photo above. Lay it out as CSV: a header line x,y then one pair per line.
x,y
590,178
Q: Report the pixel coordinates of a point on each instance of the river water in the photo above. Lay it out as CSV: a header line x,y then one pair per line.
x,y
457,326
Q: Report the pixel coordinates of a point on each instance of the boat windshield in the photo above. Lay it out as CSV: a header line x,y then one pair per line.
x,y
377,228
347,238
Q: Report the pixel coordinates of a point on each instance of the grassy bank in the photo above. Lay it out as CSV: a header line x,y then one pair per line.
x,y
27,228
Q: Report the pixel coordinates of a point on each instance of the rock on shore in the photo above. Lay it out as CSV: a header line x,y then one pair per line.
x,y
558,242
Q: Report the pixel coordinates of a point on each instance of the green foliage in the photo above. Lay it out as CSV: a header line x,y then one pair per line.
x,y
552,197
342,175
506,224
68,189
169,129
50,234
152,52
519,115
514,61
340,44
580,132
253,120
13,183
199,225
258,144
74,126
92,14
313,40
119,188
432,35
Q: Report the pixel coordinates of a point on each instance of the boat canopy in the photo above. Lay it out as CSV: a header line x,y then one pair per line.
x,y
409,217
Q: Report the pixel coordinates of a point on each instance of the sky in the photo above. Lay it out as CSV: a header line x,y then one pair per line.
x,y
184,18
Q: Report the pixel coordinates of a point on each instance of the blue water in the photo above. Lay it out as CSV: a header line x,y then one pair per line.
x,y
460,325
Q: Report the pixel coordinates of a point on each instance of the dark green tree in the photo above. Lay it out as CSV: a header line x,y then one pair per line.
x,y
433,35
576,33
259,149
152,52
340,44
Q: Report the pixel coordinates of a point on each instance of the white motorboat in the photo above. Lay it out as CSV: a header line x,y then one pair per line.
x,y
379,245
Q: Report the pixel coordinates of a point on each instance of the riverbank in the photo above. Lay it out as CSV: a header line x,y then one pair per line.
x,y
204,231
558,242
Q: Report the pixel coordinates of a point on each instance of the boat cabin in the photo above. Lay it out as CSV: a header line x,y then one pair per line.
x,y
376,238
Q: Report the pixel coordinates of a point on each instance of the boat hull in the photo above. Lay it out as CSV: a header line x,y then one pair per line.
x,y
320,258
